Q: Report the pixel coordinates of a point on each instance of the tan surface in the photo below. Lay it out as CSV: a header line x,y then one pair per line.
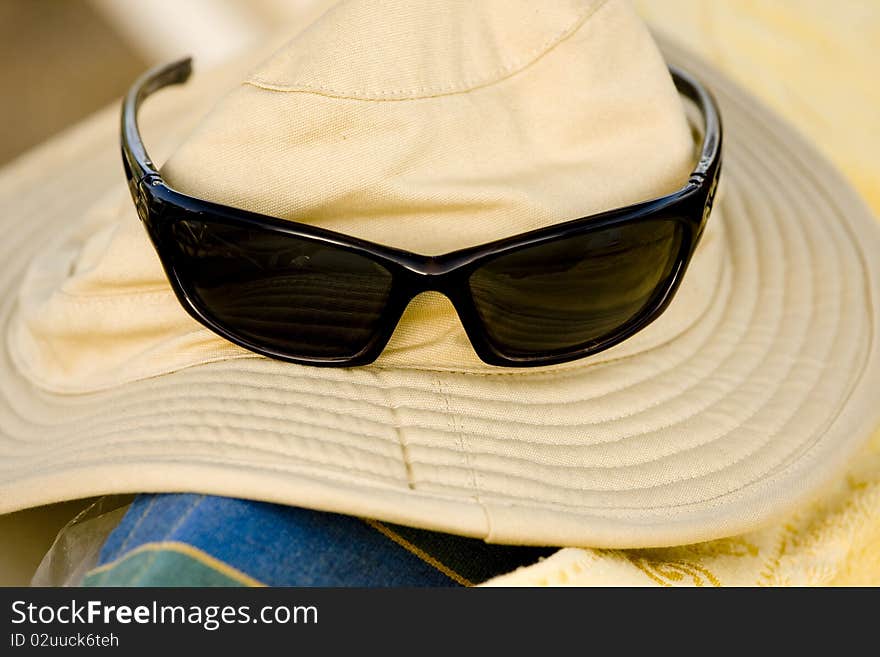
x,y
26,535
59,62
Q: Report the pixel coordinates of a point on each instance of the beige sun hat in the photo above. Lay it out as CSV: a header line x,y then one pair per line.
x,y
434,125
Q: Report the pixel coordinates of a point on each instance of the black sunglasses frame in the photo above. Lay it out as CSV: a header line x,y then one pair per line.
x,y
158,206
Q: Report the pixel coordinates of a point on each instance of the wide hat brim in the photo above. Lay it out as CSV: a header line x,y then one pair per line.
x,y
736,421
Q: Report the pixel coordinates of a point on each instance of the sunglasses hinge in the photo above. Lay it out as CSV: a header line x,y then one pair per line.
x,y
149,180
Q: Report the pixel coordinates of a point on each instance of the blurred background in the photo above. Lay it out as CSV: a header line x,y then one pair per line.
x,y
61,60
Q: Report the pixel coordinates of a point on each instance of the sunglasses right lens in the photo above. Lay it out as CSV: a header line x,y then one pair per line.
x,y
294,296
562,296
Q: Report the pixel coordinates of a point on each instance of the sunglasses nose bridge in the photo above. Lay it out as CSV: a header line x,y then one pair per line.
x,y
421,267
424,278
434,273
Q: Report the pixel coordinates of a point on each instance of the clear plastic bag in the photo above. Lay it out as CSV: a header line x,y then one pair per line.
x,y
77,546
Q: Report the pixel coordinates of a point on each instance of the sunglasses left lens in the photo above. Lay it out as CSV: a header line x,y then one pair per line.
x,y
290,295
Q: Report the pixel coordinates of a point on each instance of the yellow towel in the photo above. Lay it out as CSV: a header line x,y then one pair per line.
x,y
815,62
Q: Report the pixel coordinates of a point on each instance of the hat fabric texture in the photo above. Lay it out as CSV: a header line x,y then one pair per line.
x,y
432,126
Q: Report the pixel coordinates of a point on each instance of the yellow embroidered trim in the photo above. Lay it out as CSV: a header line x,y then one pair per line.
x,y
420,553
190,551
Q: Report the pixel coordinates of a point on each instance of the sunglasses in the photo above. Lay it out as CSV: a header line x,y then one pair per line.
x,y
307,295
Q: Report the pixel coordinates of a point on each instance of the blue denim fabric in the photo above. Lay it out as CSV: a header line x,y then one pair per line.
x,y
182,539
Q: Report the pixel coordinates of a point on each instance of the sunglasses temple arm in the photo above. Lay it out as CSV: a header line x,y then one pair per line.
x,y
688,86
705,175
137,162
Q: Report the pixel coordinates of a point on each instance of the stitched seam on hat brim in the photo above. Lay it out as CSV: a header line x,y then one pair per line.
x,y
359,477
454,428
421,93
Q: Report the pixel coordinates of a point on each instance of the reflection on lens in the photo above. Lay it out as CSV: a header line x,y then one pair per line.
x,y
280,292
564,295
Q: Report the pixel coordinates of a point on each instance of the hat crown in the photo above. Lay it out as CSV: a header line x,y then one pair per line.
x,y
409,49
434,126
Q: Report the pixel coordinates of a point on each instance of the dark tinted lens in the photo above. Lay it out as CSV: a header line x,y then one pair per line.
x,y
280,292
561,296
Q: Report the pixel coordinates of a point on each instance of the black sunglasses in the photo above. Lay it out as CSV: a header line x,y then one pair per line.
x,y
308,295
